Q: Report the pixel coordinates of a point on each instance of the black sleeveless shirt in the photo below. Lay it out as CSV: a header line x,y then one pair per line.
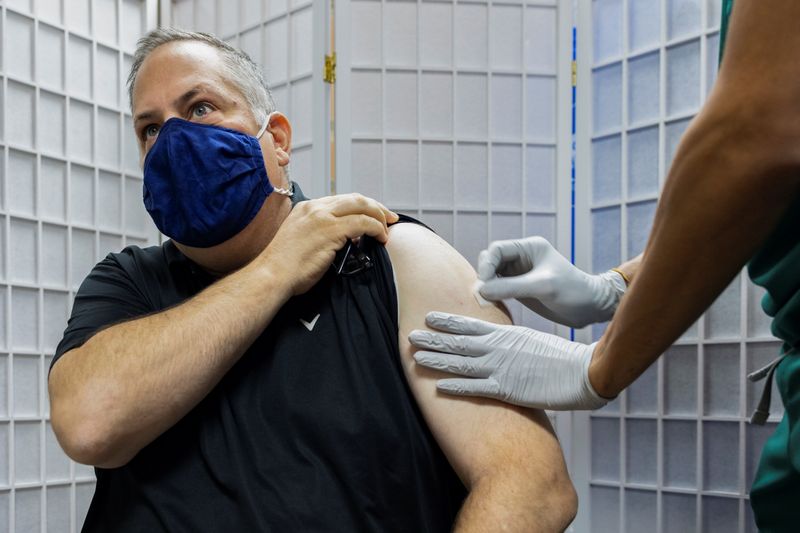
x,y
313,429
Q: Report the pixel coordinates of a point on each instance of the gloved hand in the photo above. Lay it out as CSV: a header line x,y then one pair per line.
x,y
510,363
533,272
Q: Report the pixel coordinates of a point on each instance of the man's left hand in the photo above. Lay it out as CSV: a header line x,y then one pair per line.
x,y
509,363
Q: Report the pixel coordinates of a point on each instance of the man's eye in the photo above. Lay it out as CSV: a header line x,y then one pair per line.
x,y
150,131
201,110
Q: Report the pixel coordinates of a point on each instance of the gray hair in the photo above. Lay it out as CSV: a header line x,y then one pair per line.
x,y
243,71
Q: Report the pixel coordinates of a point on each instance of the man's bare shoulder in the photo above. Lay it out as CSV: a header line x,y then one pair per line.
x,y
432,275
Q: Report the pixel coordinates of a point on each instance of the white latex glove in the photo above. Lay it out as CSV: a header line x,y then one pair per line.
x,y
533,272
509,363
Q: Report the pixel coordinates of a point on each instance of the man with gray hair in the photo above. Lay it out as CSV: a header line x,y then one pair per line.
x,y
252,373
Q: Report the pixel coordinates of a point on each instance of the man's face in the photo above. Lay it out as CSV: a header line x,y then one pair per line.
x,y
187,80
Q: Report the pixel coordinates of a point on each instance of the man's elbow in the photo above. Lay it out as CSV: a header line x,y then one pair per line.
x,y
83,448
558,504
564,505
86,442
82,425
529,498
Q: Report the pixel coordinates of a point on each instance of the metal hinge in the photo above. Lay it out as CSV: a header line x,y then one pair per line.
x,y
574,73
329,74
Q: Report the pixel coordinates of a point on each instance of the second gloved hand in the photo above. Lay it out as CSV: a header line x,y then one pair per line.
x,y
510,363
533,272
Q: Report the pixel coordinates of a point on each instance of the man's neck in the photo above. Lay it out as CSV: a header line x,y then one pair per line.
x,y
219,261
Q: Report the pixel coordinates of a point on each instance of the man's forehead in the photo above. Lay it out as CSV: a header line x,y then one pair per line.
x,y
178,66
187,51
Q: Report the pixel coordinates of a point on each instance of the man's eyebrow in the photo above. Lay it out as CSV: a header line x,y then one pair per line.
x,y
146,115
179,102
188,95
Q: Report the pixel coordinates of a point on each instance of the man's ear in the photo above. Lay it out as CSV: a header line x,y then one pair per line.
x,y
281,132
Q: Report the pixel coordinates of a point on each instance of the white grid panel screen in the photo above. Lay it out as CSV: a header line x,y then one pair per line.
x,y
71,193
450,114
279,35
675,452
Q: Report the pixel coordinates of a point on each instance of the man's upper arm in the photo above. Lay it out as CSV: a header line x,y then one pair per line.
x,y
478,436
107,296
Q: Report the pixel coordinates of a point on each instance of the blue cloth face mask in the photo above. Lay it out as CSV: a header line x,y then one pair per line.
x,y
203,184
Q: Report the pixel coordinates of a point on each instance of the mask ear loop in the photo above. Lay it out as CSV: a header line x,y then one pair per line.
x,y
280,190
265,125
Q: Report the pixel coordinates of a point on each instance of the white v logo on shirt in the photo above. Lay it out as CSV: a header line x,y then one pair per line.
x,y
310,325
